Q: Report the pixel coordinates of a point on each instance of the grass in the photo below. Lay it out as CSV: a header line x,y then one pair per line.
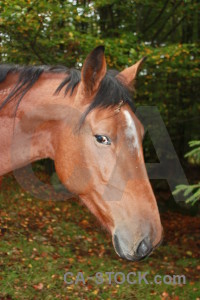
x,y
42,240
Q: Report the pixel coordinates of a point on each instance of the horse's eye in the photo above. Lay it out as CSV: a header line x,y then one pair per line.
x,y
102,139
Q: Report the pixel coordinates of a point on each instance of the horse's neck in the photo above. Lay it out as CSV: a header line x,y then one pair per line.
x,y
29,136
20,148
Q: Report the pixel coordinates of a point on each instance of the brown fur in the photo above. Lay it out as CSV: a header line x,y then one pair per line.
x,y
111,180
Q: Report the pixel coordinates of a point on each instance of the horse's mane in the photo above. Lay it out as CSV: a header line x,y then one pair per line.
x,y
111,91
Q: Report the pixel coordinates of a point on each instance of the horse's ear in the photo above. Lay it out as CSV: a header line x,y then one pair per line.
x,y
94,69
128,75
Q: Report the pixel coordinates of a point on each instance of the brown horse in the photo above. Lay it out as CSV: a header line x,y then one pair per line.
x,y
85,122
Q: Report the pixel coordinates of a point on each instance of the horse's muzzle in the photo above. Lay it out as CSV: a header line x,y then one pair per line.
x,y
143,249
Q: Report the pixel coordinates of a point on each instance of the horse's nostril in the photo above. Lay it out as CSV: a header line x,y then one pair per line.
x,y
124,247
144,248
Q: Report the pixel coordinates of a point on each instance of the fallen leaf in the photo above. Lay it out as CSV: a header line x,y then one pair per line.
x,y
39,286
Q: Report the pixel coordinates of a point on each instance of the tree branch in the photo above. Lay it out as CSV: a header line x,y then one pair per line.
x,y
173,28
146,17
157,18
165,22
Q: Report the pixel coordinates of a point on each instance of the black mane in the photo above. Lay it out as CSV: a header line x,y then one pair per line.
x,y
110,93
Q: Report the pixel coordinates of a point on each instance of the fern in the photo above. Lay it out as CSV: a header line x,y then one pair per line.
x,y
192,192
194,154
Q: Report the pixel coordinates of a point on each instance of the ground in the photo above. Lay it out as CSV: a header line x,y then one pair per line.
x,y
42,240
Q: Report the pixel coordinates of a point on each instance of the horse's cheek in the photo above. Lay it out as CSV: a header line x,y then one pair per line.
x,y
70,170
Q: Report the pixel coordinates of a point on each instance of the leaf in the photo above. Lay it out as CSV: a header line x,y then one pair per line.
x,y
39,286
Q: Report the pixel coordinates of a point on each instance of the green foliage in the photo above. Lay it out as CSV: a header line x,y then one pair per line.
x,y
189,189
192,191
194,154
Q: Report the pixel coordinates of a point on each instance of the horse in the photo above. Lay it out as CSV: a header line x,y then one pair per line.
x,y
85,121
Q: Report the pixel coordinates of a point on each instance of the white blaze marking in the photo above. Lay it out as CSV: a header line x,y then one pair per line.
x,y
5,91
131,131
